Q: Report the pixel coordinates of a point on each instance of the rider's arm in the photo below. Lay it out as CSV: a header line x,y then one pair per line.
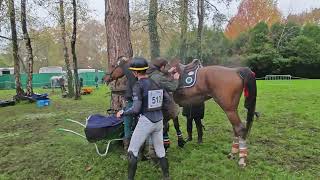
x,y
166,83
137,101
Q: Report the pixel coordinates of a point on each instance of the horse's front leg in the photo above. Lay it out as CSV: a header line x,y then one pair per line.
x,y
176,125
166,140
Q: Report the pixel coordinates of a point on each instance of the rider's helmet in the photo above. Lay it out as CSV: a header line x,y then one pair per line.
x,y
139,64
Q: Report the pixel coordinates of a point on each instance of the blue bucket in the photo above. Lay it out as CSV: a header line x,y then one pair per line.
x,y
44,102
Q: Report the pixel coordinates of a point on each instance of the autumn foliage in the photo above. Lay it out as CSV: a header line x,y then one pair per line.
x,y
251,12
306,17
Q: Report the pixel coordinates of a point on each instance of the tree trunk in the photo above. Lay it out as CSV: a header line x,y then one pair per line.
x,y
200,14
153,29
19,90
65,50
28,47
0,7
184,28
73,50
117,21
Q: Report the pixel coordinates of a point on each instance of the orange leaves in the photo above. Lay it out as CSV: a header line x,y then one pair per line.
x,y
251,12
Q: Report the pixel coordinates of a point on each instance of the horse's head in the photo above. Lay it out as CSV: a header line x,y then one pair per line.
x,y
117,70
175,62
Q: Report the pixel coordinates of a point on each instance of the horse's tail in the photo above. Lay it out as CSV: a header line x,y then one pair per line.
x,y
250,93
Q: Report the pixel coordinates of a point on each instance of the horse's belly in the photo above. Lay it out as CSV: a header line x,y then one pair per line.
x,y
182,99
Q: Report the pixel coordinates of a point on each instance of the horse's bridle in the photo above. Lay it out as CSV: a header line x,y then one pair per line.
x,y
110,74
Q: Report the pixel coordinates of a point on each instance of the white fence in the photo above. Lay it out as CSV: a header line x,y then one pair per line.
x,y
278,77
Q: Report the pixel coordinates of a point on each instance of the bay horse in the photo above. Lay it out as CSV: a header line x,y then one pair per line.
x,y
171,113
225,86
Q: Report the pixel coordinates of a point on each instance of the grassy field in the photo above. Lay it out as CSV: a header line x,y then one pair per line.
x,y
284,143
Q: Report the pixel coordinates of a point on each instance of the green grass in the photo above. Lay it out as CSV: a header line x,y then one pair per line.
x,y
283,144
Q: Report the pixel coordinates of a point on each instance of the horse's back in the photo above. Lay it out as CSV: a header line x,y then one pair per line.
x,y
222,73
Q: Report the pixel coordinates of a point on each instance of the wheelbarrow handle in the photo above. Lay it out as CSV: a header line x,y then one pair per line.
x,y
70,120
73,132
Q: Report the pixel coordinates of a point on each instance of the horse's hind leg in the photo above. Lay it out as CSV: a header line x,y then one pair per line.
x,y
234,148
239,143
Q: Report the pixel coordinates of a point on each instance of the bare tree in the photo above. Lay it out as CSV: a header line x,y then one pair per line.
x,y
153,29
117,21
28,47
19,90
73,50
65,49
184,28
200,13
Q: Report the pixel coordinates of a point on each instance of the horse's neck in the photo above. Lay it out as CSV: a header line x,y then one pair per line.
x,y
182,67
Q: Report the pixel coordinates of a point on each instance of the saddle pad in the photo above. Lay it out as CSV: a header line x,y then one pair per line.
x,y
189,78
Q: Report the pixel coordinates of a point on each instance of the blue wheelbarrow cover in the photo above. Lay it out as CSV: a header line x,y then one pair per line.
x,y
100,127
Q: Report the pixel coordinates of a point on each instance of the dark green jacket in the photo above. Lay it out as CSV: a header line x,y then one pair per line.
x,y
166,83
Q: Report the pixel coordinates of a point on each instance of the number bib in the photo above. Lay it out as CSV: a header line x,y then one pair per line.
x,y
155,98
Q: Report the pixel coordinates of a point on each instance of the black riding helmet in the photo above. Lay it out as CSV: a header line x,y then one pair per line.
x,y
139,64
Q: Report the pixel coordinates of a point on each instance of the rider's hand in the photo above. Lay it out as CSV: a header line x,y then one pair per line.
x,y
176,76
119,113
172,69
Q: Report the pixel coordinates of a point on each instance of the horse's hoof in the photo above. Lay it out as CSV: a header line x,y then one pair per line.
x,y
181,143
257,114
231,156
242,162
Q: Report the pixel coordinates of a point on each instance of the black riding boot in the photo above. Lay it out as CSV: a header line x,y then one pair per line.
x,y
132,167
165,168
200,130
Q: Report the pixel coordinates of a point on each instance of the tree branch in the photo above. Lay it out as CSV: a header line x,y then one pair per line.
x,y
162,29
10,39
5,38
142,27
217,10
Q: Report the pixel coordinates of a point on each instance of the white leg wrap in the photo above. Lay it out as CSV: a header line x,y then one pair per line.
x,y
243,150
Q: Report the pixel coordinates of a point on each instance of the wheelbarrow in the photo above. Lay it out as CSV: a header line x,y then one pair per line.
x,y
99,128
